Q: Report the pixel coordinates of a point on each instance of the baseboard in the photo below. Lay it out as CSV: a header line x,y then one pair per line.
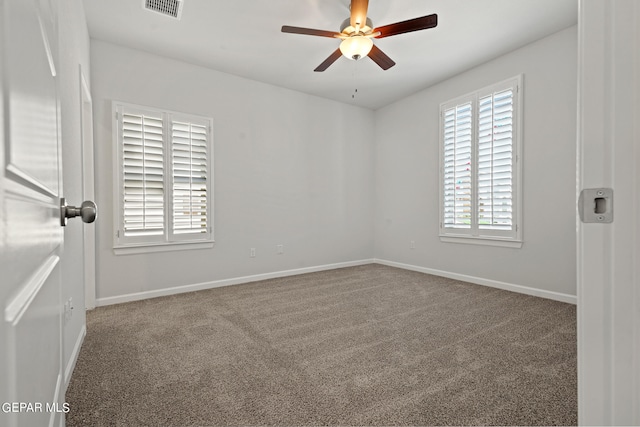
x,y
224,282
71,364
557,296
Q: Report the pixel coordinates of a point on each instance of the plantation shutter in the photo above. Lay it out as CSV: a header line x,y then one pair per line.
x,y
143,182
164,191
189,143
495,161
457,168
480,167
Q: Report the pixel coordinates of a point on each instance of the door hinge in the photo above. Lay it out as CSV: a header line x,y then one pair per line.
x,y
118,234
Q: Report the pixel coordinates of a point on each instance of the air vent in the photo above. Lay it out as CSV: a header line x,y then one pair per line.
x,y
172,8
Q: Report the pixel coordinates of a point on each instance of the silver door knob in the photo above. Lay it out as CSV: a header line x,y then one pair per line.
x,y
87,211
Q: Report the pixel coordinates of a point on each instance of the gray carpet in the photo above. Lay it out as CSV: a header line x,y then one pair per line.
x,y
368,345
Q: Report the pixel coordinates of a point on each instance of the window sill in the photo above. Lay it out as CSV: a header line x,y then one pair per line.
x,y
162,247
483,241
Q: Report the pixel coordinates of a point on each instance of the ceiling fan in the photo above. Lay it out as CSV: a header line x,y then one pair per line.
x,y
357,31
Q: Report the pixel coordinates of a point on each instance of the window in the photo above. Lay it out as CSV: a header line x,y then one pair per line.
x,y
480,166
164,192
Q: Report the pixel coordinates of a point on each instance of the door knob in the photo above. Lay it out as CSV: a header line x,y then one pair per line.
x,y
87,211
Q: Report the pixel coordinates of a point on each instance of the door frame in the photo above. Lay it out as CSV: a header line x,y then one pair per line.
x,y
88,191
608,263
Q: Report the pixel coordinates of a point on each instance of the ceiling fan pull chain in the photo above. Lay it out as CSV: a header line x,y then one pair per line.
x,y
353,76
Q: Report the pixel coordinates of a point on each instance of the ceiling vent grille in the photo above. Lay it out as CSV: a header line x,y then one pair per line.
x,y
171,8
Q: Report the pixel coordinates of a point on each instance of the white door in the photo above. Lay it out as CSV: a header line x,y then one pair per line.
x,y
609,253
30,232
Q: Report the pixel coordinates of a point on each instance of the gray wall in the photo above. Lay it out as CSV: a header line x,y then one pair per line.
x,y
407,173
289,169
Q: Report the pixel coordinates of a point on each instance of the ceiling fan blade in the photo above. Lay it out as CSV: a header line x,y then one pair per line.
x,y
408,26
330,60
359,12
309,31
380,58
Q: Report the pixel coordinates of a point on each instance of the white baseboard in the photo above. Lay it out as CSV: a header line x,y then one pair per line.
x,y
571,299
71,363
224,282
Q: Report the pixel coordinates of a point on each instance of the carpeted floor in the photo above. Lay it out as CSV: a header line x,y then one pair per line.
x,y
368,345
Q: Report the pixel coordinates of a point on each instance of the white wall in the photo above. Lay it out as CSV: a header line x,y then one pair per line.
x,y
406,168
73,39
289,168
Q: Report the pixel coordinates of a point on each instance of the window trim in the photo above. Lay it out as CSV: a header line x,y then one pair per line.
x,y
477,235
168,241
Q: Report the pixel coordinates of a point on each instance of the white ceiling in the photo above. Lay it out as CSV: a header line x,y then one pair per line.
x,y
244,38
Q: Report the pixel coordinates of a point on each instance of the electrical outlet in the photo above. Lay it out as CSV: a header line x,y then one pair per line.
x,y
280,249
412,245
252,253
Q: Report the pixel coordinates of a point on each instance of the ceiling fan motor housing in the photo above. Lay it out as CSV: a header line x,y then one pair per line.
x,y
347,29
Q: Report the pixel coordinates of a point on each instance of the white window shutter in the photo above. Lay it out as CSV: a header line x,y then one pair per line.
x,y
143,165
481,170
189,160
457,168
164,193
495,161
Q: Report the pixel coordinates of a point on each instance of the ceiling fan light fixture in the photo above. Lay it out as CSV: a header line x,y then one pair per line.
x,y
357,33
356,47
